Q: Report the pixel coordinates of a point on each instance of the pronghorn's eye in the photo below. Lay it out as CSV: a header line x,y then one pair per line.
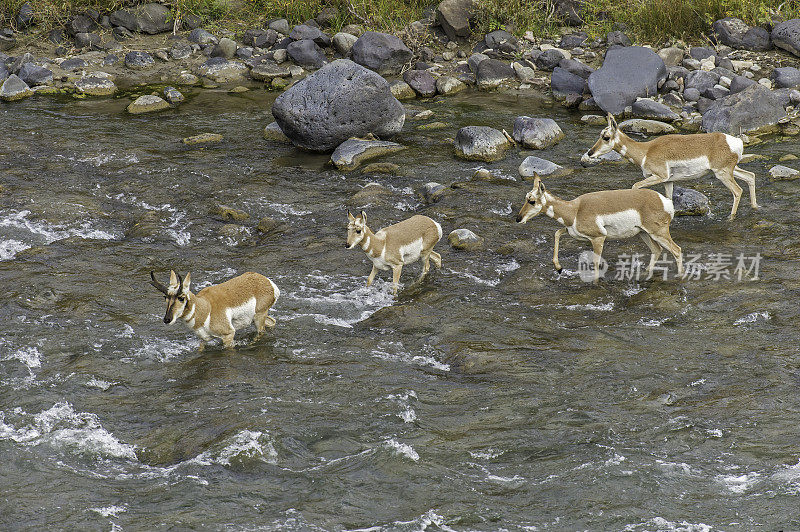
x,y
181,299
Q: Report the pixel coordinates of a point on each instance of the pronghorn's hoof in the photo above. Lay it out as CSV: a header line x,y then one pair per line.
x,y
756,206
558,269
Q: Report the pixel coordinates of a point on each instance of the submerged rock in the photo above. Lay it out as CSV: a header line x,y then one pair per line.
x,y
402,90
222,70
449,85
481,143
536,133
229,214
689,202
432,192
173,95
783,172
351,153
465,239
337,102
203,138
273,132
147,104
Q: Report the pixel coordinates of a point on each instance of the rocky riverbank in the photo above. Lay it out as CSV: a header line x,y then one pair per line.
x,y
746,82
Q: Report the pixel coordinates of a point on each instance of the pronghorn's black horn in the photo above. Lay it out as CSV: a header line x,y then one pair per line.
x,y
158,285
180,284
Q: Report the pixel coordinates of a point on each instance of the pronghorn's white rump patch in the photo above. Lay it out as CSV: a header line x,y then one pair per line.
x,y
276,292
668,206
242,315
735,144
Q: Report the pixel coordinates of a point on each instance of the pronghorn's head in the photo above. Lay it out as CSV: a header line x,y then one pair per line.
x,y
607,141
534,200
356,229
176,294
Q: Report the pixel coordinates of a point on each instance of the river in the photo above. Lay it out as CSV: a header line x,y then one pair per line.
x,y
495,394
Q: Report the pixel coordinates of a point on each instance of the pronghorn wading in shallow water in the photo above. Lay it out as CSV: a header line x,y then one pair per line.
x,y
607,214
219,310
397,245
671,158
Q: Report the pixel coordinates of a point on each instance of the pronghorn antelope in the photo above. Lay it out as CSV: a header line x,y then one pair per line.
x,y
218,310
615,214
397,245
671,158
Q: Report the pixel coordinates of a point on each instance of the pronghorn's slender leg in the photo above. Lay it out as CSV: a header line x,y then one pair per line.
x,y
655,251
653,179
227,340
263,320
726,176
668,189
663,237
372,275
749,178
396,277
555,249
426,264
597,247
437,259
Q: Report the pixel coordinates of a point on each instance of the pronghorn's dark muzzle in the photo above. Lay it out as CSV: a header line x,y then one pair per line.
x,y
519,217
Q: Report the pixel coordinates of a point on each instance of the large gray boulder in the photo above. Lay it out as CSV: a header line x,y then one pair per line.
x,y
786,35
454,17
481,143
339,101
752,108
736,33
150,18
627,73
536,133
381,52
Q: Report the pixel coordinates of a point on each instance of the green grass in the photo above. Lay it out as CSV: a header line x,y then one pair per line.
x,y
650,21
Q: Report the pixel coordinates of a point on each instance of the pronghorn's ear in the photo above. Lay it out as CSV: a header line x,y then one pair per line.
x,y
611,121
186,282
541,188
173,278
363,217
350,216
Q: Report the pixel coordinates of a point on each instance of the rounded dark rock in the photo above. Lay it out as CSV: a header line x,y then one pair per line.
x,y
306,53
339,101
627,73
138,59
549,59
421,81
381,52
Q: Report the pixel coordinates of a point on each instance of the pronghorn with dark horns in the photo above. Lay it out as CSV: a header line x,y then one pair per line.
x,y
671,158
607,214
217,311
397,245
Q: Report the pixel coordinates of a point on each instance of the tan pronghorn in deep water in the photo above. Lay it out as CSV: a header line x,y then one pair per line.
x,y
614,214
397,245
671,158
219,310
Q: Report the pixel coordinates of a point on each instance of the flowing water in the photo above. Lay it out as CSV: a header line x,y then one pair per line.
x,y
495,394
